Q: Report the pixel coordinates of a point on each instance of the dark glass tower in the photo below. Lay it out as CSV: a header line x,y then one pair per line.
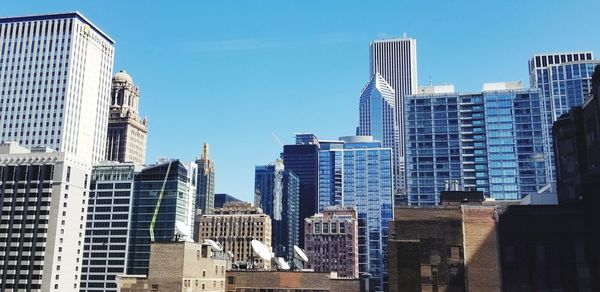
x,y
164,194
302,159
276,191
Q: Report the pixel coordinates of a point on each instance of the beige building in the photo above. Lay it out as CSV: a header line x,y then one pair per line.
x,y
126,138
289,281
234,226
180,266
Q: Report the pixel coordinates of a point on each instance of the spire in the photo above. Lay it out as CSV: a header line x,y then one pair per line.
x,y
205,151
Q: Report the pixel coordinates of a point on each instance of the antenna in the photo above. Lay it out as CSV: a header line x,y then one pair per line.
x,y
182,231
300,254
214,245
261,250
281,264
299,258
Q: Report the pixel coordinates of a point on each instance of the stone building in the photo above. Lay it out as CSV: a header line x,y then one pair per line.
x,y
331,241
235,226
126,136
43,218
205,196
290,281
180,266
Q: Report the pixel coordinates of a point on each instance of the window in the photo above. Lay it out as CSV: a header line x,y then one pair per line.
x,y
68,174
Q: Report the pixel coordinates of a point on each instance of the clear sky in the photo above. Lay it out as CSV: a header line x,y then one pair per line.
x,y
232,73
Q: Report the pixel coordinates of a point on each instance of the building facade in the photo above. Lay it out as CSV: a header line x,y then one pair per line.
x,y
491,141
331,243
180,266
564,81
107,227
290,281
377,118
164,198
42,218
302,159
276,192
357,171
235,226
577,147
205,197
55,70
396,61
127,131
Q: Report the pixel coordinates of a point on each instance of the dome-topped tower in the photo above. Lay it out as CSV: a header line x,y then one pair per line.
x,y
125,95
127,131
123,77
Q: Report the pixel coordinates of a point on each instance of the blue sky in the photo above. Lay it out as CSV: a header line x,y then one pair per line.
x,y
232,73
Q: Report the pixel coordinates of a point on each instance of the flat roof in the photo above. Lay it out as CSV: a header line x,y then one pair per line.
x,y
51,16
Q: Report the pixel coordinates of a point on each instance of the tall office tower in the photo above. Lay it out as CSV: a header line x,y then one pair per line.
x,y
564,81
127,131
302,159
332,241
55,72
396,61
43,216
107,227
163,205
235,226
491,141
377,118
276,192
357,171
205,196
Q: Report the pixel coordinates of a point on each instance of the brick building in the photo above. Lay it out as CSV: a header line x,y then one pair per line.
x,y
253,280
331,241
484,247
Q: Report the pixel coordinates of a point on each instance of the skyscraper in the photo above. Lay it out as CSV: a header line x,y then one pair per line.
x,y
396,61
302,159
55,70
377,118
357,171
43,216
163,205
276,192
205,196
564,81
107,227
491,141
126,138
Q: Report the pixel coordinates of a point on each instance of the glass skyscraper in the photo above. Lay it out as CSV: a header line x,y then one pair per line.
x,y
564,81
377,118
302,159
276,192
164,194
357,171
491,141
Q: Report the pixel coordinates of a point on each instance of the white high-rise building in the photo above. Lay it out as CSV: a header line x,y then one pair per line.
x,y
396,61
55,73
42,225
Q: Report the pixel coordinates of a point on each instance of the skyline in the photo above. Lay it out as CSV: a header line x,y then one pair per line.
x,y
227,68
